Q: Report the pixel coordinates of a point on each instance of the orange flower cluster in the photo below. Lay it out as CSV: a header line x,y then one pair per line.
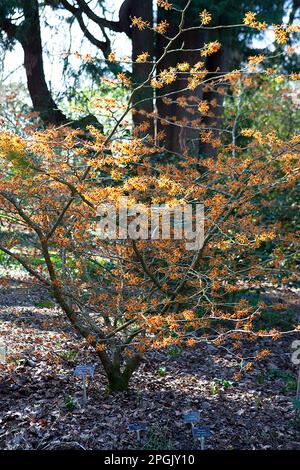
x,y
164,4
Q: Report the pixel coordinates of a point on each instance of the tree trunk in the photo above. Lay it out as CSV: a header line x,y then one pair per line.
x,y
29,35
117,382
172,117
181,127
142,41
118,379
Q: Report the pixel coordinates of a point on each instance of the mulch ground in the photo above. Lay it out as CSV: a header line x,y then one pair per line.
x,y
40,406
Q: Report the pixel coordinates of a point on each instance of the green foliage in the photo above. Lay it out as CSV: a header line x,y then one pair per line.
x,y
214,389
158,438
174,351
225,12
296,403
69,355
6,260
218,385
88,101
38,260
260,379
286,377
272,106
162,371
258,402
267,105
45,304
269,317
283,320
224,383
70,403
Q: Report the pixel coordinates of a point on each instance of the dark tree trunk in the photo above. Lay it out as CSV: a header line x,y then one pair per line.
x,y
172,117
30,38
183,135
118,380
142,41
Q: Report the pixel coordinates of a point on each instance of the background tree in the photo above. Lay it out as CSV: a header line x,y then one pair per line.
x,y
20,21
28,33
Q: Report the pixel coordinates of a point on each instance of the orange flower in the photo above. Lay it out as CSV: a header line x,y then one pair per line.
x,y
191,342
262,354
205,17
164,4
139,23
210,48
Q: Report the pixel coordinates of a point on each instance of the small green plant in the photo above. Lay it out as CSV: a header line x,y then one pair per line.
x,y
290,386
162,371
174,351
274,373
45,304
225,383
258,402
158,438
6,260
214,388
286,377
260,379
68,355
70,403
219,385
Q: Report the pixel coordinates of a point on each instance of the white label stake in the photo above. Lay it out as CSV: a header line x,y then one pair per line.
x,y
84,388
200,433
2,353
83,371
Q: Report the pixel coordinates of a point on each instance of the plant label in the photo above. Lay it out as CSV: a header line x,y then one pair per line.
x,y
191,417
85,370
137,427
201,431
